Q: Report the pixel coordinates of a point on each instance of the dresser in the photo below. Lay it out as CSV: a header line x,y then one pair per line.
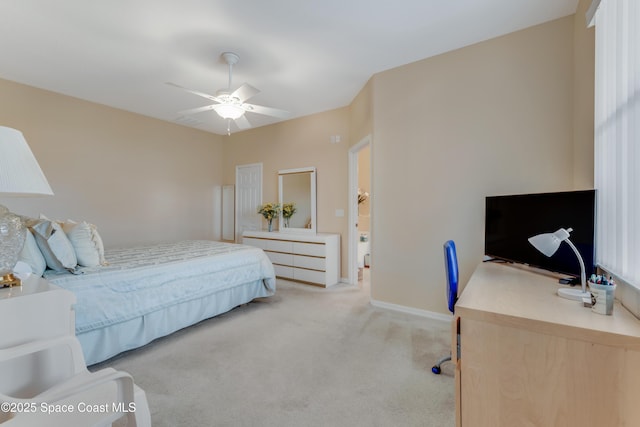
x,y
309,258
530,358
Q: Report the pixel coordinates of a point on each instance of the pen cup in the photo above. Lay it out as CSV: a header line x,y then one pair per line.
x,y
602,297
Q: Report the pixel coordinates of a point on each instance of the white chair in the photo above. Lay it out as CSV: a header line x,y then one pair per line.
x,y
46,383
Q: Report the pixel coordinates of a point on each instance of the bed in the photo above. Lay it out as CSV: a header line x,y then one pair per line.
x,y
148,292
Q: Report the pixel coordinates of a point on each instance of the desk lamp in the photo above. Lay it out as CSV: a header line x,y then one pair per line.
x,y
20,175
548,244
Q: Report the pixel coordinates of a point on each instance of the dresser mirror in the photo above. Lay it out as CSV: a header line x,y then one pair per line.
x,y
297,188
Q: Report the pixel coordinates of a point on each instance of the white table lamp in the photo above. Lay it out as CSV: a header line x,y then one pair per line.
x,y
21,176
548,244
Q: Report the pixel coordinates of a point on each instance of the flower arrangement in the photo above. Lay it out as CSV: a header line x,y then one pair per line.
x,y
362,196
269,211
288,209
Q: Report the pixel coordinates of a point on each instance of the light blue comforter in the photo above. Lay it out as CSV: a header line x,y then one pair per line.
x,y
145,279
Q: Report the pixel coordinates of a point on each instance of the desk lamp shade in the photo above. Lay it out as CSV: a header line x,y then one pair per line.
x,y
548,244
20,176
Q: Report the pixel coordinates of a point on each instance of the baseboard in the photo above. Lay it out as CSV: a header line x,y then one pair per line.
x,y
411,310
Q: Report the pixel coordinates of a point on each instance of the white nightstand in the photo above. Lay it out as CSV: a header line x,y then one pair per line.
x,y
35,310
34,313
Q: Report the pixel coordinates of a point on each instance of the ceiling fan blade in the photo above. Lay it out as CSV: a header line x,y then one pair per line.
x,y
267,111
243,123
245,92
197,110
195,92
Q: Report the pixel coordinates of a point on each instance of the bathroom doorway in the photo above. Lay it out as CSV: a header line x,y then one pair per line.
x,y
360,212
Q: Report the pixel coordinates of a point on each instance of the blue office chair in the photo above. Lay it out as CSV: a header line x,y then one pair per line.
x,y
451,268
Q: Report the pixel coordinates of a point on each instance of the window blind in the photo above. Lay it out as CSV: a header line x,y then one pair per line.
x,y
617,138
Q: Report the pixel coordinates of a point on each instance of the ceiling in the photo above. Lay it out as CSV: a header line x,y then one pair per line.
x,y
305,56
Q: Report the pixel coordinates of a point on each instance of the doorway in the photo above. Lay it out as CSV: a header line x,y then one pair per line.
x,y
360,210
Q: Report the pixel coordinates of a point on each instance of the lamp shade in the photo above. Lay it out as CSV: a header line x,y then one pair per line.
x,y
548,243
20,173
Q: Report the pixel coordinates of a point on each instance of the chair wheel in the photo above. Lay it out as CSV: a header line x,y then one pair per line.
x,y
436,370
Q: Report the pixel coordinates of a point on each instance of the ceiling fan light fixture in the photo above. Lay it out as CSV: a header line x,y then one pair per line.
x,y
229,111
230,105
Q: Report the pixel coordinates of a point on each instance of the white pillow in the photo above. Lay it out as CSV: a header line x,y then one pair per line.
x,y
99,244
32,256
81,237
56,248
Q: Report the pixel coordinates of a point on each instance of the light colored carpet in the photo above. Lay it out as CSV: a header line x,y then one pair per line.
x,y
306,357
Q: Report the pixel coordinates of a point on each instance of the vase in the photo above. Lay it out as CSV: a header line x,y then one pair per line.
x,y
286,222
270,224
12,236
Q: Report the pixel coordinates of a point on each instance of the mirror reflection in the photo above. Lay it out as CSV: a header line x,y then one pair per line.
x,y
297,199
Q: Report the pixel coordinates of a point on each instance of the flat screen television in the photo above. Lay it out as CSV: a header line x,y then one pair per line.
x,y
511,219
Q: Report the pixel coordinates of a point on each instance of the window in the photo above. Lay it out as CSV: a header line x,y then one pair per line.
x,y
617,136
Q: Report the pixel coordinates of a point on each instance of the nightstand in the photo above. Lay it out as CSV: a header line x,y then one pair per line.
x,y
35,310
41,315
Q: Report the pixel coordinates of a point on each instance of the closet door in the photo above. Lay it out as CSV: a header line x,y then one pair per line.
x,y
228,212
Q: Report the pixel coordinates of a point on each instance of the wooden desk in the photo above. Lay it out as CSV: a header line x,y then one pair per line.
x,y
531,358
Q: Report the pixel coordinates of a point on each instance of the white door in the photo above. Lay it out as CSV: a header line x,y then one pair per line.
x,y
228,212
248,198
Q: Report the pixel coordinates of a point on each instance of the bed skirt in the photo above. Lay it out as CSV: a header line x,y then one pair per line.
x,y
150,291
101,344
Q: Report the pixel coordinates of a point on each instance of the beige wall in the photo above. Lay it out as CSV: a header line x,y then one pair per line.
x,y
583,98
361,114
492,118
140,180
300,143
306,142
509,115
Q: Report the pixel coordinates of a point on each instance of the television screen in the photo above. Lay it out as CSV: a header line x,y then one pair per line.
x,y
511,220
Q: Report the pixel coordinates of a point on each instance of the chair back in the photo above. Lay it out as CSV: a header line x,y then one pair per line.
x,y
451,268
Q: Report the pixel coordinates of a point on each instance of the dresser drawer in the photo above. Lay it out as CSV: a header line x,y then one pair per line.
x,y
279,246
313,249
258,243
311,276
313,263
280,258
283,271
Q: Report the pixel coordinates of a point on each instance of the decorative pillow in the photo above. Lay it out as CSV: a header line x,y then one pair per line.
x,y
99,244
32,256
56,248
82,239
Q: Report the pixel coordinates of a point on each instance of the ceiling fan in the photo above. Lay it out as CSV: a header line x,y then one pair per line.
x,y
231,105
